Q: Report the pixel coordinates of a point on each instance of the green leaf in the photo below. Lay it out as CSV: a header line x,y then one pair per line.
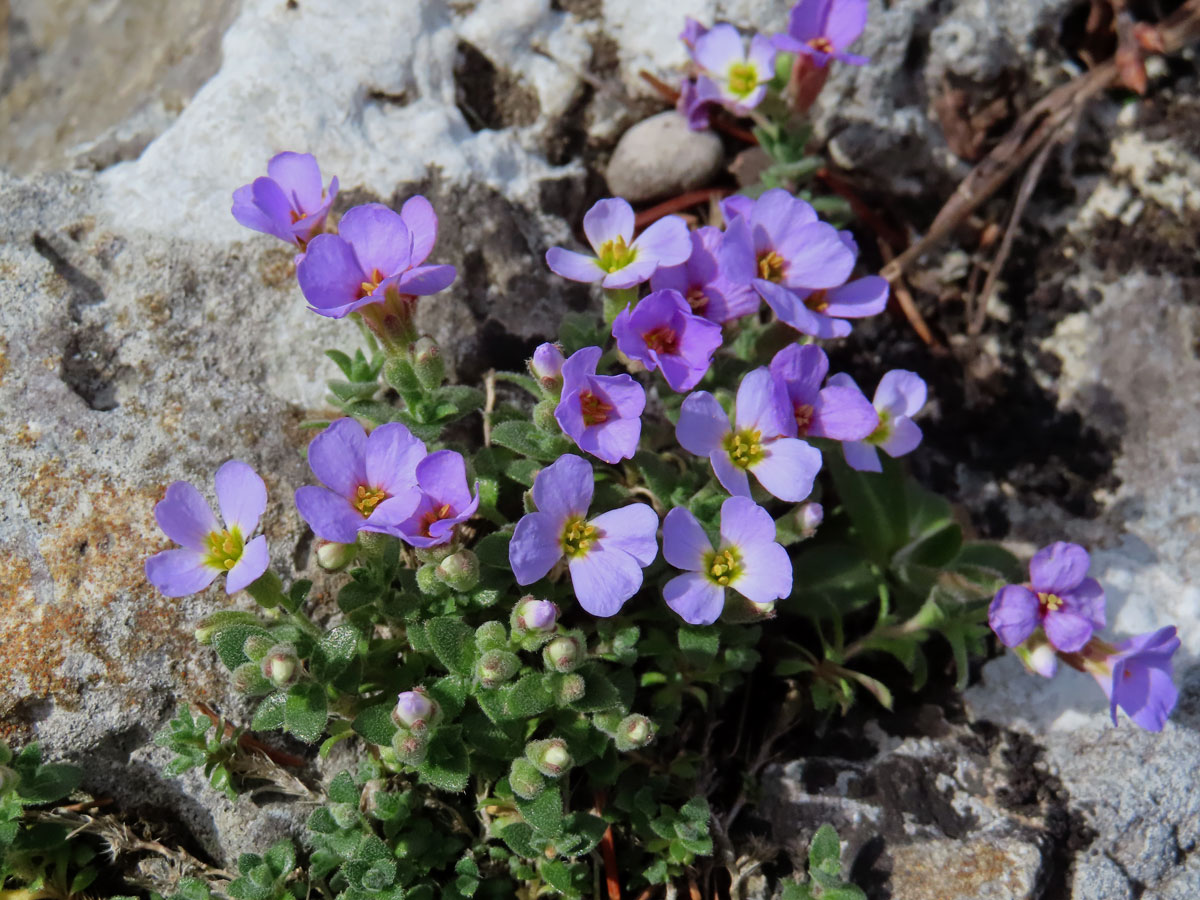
x,y
523,471
342,361
343,789
305,711
335,652
453,643
876,503
228,643
521,437
269,714
825,851
588,829
446,766
492,550
451,692
375,724
519,837
699,644
600,693
559,876
281,857
794,891
578,330
544,812
528,697
48,783
843,892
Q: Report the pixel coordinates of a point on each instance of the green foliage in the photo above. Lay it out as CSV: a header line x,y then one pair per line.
x,y
824,872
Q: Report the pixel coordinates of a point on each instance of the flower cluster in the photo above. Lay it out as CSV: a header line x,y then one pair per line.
x,y
1056,616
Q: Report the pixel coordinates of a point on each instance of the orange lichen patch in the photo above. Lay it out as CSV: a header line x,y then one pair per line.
x,y
3,359
937,869
276,266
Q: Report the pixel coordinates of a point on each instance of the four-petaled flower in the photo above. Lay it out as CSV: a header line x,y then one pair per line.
x,y
621,262
289,202
734,77
757,442
747,559
605,555
370,481
841,413
445,500
706,289
899,396
1067,604
661,332
376,253
1137,678
600,413
206,548
823,29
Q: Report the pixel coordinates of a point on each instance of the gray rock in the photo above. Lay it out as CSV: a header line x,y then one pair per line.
x,y
660,157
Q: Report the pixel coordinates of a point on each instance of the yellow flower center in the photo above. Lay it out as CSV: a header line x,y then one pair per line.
x,y
770,267
821,45
743,79
367,498
662,339
298,216
882,431
368,287
818,301
804,416
1050,602
224,548
615,254
595,411
434,515
577,537
697,300
745,447
722,567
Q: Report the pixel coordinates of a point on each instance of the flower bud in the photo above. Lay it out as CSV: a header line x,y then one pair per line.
x,y
546,367
428,364
459,571
257,646
491,636
543,417
809,518
570,688
634,731
410,747
333,557
248,679
563,654
415,710
495,667
525,780
549,756
9,779
280,664
428,582
536,615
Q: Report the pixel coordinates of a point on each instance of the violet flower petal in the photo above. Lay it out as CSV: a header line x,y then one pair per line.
x,y
574,266
330,276
608,220
1087,599
631,529
702,424
425,280
422,224
718,48
564,488
847,19
861,456
300,178
843,414
767,572
179,572
1066,630
379,237
250,567
1058,568
760,401
337,456
667,241
905,436
863,297
789,469
900,392
328,514
391,455
684,540
185,516
744,523
733,478
696,599
241,495
604,579
1014,614
535,547
815,257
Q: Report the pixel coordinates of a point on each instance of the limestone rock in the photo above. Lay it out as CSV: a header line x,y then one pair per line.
x,y
660,157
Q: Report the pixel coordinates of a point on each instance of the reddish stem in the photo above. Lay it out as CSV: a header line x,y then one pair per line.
x,y
249,742
677,204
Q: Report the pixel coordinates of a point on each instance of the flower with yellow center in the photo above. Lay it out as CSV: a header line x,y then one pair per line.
x,y
577,537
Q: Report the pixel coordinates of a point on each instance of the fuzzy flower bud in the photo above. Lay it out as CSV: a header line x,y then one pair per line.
x,y
333,557
257,646
459,571
428,364
543,417
410,747
550,756
248,679
491,636
809,518
546,367
536,615
525,780
634,731
428,582
280,664
9,779
563,654
570,688
414,709
495,667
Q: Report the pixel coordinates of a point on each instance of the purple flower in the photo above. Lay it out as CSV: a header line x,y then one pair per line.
x,y
747,559
605,555
600,413
756,443
692,32
376,252
693,105
207,549
414,708
618,263
738,77
1063,600
537,615
662,333
899,397
778,245
289,203
842,413
823,29
1137,678
369,482
445,500
547,364
703,285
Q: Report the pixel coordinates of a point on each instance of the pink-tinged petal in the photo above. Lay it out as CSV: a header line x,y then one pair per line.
x,y
426,280
718,48
185,516
789,469
808,19
564,488
815,257
696,599
846,23
329,274
250,567
632,529
667,241
337,457
860,298
393,512
684,540
329,515
843,414
422,224
606,221
241,495
574,266
391,455
904,438
789,308
178,573
300,178
766,573
702,424
861,456
1088,601
1059,568
760,401
613,441
732,478
900,392
1067,631
604,579
1013,614
535,546
637,272
379,237
745,524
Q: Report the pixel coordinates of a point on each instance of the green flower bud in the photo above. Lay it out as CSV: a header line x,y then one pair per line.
x,y
525,780
428,582
543,417
410,747
495,667
634,731
563,654
570,688
9,779
460,571
257,646
549,756
333,557
491,636
428,364
248,679
434,554
280,665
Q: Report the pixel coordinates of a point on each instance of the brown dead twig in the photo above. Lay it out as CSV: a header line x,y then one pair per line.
x,y
250,743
